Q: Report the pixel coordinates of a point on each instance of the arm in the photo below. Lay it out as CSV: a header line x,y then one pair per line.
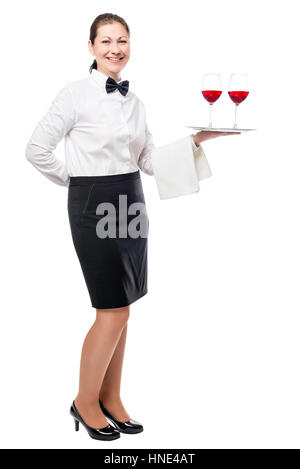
x,y
145,159
55,124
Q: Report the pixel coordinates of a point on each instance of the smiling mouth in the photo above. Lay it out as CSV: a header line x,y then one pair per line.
x,y
115,59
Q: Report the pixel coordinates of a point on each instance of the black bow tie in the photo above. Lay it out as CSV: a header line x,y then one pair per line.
x,y
111,85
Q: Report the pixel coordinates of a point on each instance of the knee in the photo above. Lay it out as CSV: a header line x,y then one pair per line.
x,y
117,316
122,314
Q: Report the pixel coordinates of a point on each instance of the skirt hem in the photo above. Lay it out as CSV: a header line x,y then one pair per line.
x,y
121,306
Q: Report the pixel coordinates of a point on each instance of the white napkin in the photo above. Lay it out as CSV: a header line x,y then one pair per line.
x,y
178,169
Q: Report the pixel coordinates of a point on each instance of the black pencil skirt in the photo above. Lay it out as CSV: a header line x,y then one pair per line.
x,y
109,226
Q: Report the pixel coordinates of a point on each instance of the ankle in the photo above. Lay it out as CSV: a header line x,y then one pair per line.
x,y
109,397
84,401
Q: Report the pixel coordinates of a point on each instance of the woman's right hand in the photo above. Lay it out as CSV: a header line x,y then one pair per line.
x,y
203,135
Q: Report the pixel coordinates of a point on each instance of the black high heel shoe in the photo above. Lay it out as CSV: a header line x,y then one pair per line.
x,y
130,426
105,433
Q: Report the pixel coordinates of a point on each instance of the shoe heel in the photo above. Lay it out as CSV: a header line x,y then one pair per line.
x,y
76,425
104,433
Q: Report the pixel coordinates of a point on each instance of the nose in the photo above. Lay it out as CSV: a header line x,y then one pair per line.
x,y
115,49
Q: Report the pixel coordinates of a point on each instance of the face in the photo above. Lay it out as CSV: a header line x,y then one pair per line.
x,y
112,41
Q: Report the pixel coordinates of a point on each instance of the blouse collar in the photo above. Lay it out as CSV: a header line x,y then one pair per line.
x,y
100,77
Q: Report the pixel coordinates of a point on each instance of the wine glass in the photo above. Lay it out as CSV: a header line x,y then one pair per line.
x,y
211,90
238,90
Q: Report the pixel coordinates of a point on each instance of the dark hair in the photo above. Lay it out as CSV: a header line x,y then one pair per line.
x,y
105,18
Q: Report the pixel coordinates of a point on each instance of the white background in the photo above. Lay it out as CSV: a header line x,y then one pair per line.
x,y
212,357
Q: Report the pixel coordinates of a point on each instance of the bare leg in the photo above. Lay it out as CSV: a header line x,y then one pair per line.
x,y
111,385
97,351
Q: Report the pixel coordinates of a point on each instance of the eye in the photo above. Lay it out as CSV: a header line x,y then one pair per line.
x,y
120,41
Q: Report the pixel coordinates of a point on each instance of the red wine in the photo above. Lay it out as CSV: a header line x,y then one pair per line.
x,y
238,96
211,95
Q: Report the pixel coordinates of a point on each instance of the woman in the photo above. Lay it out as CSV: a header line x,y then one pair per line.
x,y
107,142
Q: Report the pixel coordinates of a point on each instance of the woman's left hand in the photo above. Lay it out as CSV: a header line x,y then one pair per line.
x,y
203,135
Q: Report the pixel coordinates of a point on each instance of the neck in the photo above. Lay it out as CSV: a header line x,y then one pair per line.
x,y
115,76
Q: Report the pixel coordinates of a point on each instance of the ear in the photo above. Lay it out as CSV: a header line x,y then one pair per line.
x,y
90,46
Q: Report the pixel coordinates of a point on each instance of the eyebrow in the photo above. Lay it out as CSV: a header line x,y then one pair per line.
x,y
110,37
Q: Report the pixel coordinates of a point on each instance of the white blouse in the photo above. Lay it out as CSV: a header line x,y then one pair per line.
x,y
107,133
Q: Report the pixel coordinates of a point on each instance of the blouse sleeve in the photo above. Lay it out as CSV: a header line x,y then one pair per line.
x,y
55,124
177,167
